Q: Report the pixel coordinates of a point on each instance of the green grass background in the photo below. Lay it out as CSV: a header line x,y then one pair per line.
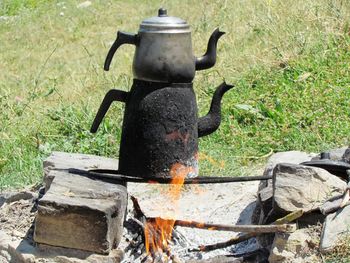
x,y
289,61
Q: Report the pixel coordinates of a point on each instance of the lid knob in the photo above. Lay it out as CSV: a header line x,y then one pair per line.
x,y
162,12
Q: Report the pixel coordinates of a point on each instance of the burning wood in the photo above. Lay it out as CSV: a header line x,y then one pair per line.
x,y
158,231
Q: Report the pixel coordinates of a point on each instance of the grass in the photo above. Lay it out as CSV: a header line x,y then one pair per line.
x,y
14,7
289,61
340,253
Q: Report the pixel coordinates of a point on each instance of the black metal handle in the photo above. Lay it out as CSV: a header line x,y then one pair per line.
x,y
122,38
112,95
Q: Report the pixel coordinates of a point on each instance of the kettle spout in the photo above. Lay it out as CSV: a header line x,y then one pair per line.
x,y
211,122
209,58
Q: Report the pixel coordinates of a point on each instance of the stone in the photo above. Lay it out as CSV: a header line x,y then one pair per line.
x,y
292,247
346,156
10,197
335,154
16,250
73,255
78,212
332,205
335,227
84,4
298,187
5,257
90,211
295,157
265,192
62,160
4,240
23,251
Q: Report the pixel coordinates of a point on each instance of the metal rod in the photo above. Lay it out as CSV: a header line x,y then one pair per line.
x,y
114,175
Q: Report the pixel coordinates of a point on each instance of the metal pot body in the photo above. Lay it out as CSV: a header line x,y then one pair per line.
x,y
164,57
160,130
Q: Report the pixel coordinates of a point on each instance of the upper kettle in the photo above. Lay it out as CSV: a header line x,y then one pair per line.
x,y
164,50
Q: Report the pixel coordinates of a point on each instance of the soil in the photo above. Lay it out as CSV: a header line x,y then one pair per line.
x,y
17,216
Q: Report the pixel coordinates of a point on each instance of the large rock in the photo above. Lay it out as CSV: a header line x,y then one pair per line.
x,y
78,212
265,192
263,213
301,187
298,187
335,227
295,157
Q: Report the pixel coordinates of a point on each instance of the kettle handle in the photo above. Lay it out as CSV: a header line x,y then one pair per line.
x,y
112,95
122,38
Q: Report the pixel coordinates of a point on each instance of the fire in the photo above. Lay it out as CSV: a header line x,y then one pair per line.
x,y
158,231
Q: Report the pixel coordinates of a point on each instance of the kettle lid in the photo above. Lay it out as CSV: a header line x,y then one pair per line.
x,y
164,24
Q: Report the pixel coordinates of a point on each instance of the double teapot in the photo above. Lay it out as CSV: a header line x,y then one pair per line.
x,y
161,126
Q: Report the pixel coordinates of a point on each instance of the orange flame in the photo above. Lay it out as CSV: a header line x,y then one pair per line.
x,y
158,231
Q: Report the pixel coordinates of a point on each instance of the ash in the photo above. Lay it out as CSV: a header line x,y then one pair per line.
x,y
231,203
